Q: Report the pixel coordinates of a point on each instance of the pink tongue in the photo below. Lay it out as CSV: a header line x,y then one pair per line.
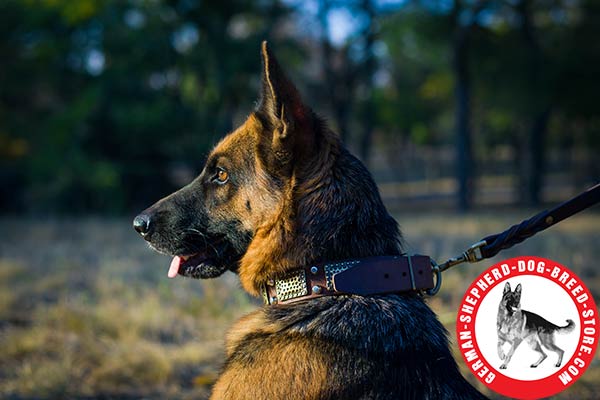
x,y
174,268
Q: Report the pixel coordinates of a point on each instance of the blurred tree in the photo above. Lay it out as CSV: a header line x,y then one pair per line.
x,y
415,101
349,69
464,16
339,71
535,143
105,103
524,78
512,62
369,36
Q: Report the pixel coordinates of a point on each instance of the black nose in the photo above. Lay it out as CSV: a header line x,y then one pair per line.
x,y
141,224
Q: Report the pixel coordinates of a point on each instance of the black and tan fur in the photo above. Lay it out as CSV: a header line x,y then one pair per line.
x,y
515,325
295,196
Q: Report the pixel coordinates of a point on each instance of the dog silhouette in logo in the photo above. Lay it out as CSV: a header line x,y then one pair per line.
x,y
515,325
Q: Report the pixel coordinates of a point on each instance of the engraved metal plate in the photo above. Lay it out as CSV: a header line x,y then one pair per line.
x,y
291,286
332,269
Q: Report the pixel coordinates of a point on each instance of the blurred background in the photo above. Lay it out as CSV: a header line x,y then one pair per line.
x,y
471,114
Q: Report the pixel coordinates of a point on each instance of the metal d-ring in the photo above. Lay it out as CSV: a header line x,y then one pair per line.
x,y
438,279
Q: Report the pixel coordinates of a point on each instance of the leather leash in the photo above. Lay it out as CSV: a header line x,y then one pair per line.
x,y
404,273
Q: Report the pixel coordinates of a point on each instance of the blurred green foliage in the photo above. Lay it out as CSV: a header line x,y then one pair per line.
x,y
106,105
509,88
100,98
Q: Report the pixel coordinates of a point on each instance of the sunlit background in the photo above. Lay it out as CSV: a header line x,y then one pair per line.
x,y
472,115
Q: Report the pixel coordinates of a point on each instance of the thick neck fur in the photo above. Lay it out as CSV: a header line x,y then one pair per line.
x,y
340,214
330,210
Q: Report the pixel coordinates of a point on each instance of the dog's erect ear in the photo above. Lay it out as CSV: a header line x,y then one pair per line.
x,y
518,291
506,288
288,119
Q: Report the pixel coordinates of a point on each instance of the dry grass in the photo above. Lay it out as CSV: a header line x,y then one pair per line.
x,y
86,310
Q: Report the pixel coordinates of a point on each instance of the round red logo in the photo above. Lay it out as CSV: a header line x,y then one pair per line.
x,y
527,327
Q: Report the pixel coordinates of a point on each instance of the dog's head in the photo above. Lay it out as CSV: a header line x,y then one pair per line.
x,y
208,225
511,300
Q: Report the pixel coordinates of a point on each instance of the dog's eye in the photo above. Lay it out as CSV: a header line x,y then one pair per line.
x,y
222,176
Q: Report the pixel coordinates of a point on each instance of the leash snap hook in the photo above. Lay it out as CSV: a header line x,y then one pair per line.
x,y
438,279
473,253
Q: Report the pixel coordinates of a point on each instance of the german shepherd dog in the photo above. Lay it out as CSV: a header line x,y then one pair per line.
x,y
279,193
515,325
